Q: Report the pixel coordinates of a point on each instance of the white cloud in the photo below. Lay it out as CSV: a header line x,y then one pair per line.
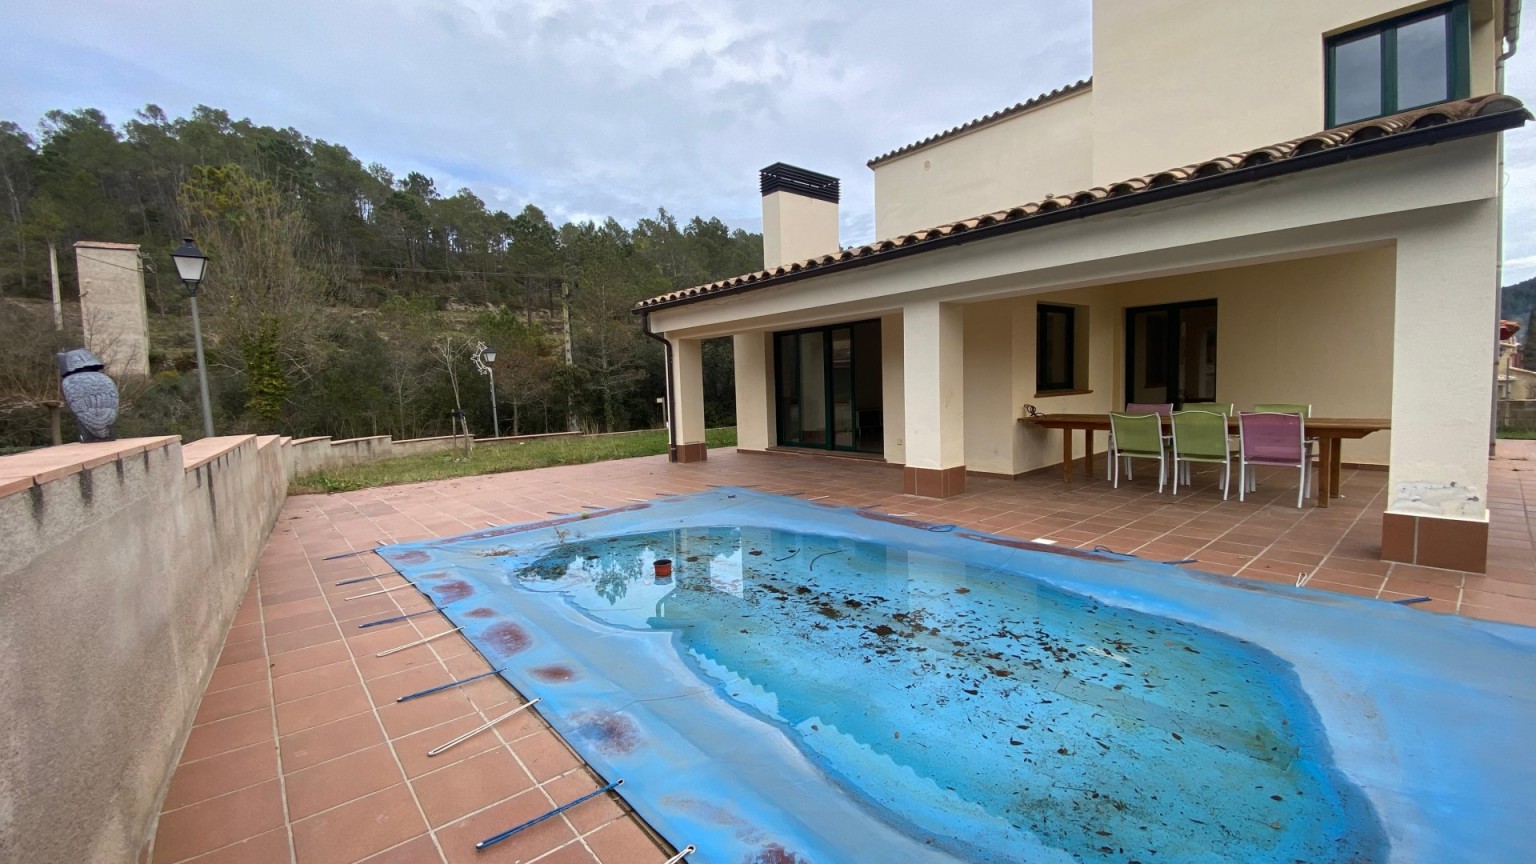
x,y
584,107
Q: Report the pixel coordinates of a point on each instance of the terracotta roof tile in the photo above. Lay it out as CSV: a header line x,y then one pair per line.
x,y
1022,216
988,120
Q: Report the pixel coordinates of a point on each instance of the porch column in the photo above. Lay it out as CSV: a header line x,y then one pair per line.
x,y
688,399
754,391
933,357
1442,384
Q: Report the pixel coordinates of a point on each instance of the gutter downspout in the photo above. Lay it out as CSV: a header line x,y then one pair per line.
x,y
1512,39
671,418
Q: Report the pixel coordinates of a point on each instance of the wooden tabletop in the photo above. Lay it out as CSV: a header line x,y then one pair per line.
x,y
1328,427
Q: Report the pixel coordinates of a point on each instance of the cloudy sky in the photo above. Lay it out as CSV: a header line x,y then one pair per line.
x,y
593,108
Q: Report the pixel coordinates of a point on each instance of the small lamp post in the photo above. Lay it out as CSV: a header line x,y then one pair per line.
x,y
484,357
190,264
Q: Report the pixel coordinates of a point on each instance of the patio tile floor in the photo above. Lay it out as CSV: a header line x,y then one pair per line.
x,y
300,754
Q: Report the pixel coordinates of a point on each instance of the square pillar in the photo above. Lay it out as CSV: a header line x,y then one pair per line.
x,y
688,400
755,416
893,393
1444,335
933,385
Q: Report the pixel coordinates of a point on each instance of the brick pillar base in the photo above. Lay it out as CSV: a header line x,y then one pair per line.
x,y
933,482
1433,541
692,452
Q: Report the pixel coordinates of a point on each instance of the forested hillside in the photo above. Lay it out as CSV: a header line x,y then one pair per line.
x,y
341,299
1516,305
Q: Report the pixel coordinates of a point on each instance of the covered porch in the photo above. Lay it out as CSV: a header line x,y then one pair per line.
x,y
1300,290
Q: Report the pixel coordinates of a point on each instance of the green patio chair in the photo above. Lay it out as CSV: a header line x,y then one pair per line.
x,y
1284,408
1226,409
1136,436
1201,436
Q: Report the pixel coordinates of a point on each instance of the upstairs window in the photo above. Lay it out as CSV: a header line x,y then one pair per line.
x,y
1407,62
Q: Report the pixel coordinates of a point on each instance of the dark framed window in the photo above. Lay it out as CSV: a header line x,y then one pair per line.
x,y
1055,347
1402,63
828,387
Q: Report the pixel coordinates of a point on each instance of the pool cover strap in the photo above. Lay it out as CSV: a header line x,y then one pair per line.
x,y
551,814
441,687
396,618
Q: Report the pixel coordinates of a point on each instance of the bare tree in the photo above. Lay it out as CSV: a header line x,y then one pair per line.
x,y
450,349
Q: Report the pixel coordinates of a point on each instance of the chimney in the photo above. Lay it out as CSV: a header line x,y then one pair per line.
x,y
799,214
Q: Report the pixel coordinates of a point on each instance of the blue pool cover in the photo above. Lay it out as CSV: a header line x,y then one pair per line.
x,y
821,684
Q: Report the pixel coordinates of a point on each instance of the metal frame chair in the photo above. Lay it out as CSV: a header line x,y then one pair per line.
x,y
1274,440
1162,409
1201,436
1144,435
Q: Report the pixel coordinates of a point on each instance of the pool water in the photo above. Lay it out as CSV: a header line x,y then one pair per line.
x,y
823,686
976,705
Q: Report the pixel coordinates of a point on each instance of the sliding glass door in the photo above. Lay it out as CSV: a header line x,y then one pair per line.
x,y
827,388
1170,353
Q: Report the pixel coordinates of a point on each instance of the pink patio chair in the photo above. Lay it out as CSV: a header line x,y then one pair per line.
x,y
1274,441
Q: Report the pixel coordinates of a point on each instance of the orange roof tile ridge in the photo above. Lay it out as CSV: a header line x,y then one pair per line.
x,y
988,119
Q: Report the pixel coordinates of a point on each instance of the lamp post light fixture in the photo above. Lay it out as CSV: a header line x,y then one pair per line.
x,y
190,265
484,357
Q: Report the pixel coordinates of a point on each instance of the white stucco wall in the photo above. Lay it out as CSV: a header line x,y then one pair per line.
x,y
1444,333
796,228
1314,330
755,409
933,340
893,388
1182,81
1040,152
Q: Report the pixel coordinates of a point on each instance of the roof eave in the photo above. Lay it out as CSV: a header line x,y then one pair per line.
x,y
1413,138
1019,108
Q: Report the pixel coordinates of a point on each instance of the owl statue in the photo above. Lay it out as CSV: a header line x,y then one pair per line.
x,y
89,393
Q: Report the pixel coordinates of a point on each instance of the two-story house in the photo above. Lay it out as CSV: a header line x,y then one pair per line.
x,y
1248,202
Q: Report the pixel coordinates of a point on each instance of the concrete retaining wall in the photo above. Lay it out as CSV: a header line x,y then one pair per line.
x,y
1517,413
307,455
121,567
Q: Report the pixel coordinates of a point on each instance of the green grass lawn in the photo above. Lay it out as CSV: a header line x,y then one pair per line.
x,y
1507,432
496,458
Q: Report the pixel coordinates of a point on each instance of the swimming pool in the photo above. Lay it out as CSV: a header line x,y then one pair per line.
x,y
823,684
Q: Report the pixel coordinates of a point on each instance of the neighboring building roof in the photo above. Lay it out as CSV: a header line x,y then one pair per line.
x,y
994,117
1447,121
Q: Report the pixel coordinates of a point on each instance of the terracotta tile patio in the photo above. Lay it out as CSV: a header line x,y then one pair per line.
x,y
301,754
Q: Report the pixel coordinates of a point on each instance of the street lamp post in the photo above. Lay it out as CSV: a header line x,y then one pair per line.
x,y
484,357
190,264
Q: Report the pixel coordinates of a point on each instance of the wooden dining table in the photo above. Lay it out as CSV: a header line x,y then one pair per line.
x,y
1330,432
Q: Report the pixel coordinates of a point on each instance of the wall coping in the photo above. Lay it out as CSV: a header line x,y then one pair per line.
x,y
205,450
533,437
21,471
